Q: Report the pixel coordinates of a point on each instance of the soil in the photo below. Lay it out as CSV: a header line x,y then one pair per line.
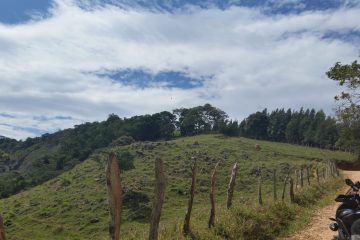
x,y
318,229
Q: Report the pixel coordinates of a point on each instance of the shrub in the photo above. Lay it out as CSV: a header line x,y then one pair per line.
x,y
125,158
123,141
255,222
138,203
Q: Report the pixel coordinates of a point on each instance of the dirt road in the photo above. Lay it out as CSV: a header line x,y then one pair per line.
x,y
318,229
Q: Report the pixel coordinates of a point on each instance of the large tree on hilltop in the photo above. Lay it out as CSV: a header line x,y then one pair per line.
x,y
200,119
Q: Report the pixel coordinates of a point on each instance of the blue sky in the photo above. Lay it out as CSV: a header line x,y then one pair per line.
x,y
64,62
19,11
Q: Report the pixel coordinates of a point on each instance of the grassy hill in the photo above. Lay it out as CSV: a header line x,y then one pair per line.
x,y
74,205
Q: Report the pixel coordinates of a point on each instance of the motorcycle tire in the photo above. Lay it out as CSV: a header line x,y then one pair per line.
x,y
355,230
340,236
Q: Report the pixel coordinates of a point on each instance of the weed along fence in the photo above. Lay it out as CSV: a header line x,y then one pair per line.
x,y
2,229
287,186
297,180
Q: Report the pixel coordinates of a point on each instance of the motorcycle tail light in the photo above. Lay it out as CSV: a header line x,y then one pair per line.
x,y
333,226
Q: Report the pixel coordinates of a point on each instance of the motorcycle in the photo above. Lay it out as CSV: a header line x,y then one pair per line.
x,y
347,217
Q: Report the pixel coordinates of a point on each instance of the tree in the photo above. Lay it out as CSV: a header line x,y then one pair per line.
x,y
230,128
278,121
348,112
200,119
256,125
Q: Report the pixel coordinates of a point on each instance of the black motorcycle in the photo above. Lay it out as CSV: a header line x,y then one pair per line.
x,y
347,218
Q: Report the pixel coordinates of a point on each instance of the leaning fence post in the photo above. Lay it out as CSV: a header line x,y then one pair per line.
x,y
284,188
231,186
274,188
259,190
186,228
212,198
291,190
114,196
2,229
158,199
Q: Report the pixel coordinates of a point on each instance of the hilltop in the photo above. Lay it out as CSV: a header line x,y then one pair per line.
x,y
74,205
24,164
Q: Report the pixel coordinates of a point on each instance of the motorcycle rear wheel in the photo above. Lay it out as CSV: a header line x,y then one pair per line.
x,y
355,230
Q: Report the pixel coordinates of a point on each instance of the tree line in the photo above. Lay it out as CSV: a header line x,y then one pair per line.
x,y
305,127
62,150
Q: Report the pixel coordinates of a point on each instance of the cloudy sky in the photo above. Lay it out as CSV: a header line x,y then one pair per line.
x,y
64,62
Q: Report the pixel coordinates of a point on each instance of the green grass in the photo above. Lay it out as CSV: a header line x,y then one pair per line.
x,y
74,205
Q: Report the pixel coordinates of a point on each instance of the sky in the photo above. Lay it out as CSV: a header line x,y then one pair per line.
x,y
66,62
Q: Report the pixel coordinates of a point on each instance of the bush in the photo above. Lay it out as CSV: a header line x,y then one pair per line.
x,y
256,222
123,141
125,158
138,203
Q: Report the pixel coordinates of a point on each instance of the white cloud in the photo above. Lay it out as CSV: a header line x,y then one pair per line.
x,y
256,61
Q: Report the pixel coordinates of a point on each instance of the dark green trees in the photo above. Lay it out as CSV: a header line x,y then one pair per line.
x,y
230,128
278,121
256,125
200,119
151,127
305,127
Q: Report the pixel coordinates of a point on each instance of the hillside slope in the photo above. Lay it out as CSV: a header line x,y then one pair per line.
x,y
74,206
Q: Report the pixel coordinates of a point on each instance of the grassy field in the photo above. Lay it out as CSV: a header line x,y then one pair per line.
x,y
74,205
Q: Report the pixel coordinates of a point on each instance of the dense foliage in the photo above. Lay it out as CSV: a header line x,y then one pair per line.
x,y
36,160
348,76
198,120
305,127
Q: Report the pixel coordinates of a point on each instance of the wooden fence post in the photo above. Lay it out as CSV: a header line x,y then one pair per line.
x,y
317,175
186,228
231,186
329,168
2,229
274,188
212,198
301,178
284,188
308,175
259,190
296,180
292,197
113,181
336,169
324,174
158,199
